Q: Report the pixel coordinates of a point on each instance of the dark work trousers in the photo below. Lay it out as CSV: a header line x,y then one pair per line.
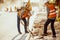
x,y
25,24
52,26
28,22
18,24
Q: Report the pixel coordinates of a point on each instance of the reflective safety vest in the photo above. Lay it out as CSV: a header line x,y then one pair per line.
x,y
52,11
26,14
52,14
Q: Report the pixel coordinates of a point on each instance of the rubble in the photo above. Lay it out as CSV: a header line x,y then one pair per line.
x,y
38,28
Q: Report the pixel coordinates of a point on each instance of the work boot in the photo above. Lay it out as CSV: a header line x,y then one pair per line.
x,y
54,36
44,34
20,33
26,32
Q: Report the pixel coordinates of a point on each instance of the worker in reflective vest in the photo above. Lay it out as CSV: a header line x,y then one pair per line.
x,y
50,18
22,16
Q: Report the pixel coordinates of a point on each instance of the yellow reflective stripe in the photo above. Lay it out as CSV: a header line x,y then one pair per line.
x,y
52,10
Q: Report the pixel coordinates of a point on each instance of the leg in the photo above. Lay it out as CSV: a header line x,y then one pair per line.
x,y
25,25
28,22
52,27
45,26
18,24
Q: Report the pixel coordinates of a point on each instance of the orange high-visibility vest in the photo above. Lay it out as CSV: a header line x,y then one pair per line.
x,y
52,11
26,14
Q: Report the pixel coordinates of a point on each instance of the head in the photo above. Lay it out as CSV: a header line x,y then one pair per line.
x,y
48,2
51,1
18,10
